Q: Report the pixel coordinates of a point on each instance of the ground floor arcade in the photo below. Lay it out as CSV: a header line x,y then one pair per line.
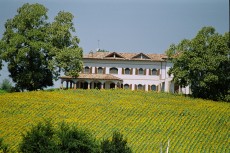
x,y
105,81
91,81
108,81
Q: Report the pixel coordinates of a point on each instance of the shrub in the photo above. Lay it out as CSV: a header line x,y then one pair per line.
x,y
6,85
44,138
2,91
4,148
116,145
227,97
72,139
39,139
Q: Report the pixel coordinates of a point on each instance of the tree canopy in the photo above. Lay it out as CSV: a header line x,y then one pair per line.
x,y
65,138
203,63
117,145
36,51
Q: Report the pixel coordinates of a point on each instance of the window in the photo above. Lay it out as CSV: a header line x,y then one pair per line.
x,y
126,86
127,71
154,72
141,56
163,86
84,85
97,85
100,70
114,55
140,87
86,69
153,88
113,70
112,85
141,71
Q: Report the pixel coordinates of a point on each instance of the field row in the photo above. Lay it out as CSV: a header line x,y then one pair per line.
x,y
147,119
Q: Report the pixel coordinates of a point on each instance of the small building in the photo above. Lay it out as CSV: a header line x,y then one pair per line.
x,y
135,71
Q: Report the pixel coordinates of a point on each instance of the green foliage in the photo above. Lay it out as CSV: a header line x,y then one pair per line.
x,y
203,63
1,45
44,138
39,139
6,85
116,145
25,48
72,139
2,91
67,53
36,51
4,148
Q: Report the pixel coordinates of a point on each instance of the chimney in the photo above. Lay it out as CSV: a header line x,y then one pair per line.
x,y
91,53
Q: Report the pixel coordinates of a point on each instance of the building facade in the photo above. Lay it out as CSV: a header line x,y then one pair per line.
x,y
134,71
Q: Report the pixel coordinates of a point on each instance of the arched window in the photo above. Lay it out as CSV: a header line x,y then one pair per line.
x,y
153,88
113,70
141,71
83,85
97,85
140,87
126,86
100,70
112,85
127,71
154,72
86,69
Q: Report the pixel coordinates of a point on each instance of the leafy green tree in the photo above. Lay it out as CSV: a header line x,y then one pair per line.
x,y
203,63
24,48
66,51
39,139
44,138
117,145
37,51
72,139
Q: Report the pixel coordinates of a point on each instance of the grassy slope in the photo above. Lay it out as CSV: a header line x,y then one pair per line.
x,y
147,119
2,91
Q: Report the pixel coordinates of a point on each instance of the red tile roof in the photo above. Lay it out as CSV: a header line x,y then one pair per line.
x,y
94,77
125,56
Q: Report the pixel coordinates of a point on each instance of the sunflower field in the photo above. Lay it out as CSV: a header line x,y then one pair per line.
x,y
148,120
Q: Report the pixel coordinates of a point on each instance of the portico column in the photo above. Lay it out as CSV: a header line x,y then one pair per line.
x,y
169,84
102,84
74,83
115,84
92,85
159,87
180,89
67,84
71,84
61,84
88,84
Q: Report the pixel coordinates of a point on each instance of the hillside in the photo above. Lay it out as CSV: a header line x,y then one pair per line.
x,y
147,119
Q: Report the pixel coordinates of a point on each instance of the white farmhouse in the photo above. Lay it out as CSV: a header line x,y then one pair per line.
x,y
135,71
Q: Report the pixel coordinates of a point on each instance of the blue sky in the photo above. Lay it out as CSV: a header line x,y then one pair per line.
x,y
148,26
